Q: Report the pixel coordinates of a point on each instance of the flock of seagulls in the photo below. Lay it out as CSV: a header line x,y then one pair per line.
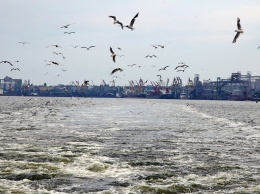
x,y
130,26
181,67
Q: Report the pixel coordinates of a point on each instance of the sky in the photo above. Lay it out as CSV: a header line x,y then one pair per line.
x,y
197,32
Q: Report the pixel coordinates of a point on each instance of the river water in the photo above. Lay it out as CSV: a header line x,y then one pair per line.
x,y
98,145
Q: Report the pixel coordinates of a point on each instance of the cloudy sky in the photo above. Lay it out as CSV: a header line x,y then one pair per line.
x,y
197,32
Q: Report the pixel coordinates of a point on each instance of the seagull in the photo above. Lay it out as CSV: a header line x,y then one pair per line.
x,y
113,54
184,66
15,69
23,42
68,32
66,26
154,46
258,47
55,45
151,56
114,17
75,46
159,76
59,54
130,26
115,70
162,46
55,63
6,62
119,48
18,62
116,21
87,47
180,70
131,65
238,31
164,68
121,24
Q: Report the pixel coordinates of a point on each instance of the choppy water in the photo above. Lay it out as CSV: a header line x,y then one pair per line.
x,y
128,146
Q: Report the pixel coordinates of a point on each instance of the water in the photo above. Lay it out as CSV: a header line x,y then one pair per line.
x,y
128,146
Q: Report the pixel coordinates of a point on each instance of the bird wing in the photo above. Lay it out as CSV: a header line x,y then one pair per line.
x,y
133,20
176,67
10,63
114,70
111,50
112,17
238,24
121,24
114,58
136,15
236,36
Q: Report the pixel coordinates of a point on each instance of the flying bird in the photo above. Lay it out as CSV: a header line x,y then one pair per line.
x,y
116,21
162,46
23,42
6,62
180,70
121,24
238,31
113,54
15,69
55,45
114,18
159,76
55,63
59,54
258,47
183,66
18,62
87,47
66,26
69,32
115,70
131,65
150,56
154,46
130,26
75,46
164,68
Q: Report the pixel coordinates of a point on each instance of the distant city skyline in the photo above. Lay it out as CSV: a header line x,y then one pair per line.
x,y
199,33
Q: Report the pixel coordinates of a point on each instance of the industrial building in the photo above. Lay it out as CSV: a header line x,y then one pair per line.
x,y
236,87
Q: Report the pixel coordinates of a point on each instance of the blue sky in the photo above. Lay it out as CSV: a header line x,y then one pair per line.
x,y
198,32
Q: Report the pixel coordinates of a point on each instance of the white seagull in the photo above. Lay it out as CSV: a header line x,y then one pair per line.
x,y
116,21
130,26
113,54
238,31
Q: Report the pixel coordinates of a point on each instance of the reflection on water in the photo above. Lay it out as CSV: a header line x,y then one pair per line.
x,y
85,145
